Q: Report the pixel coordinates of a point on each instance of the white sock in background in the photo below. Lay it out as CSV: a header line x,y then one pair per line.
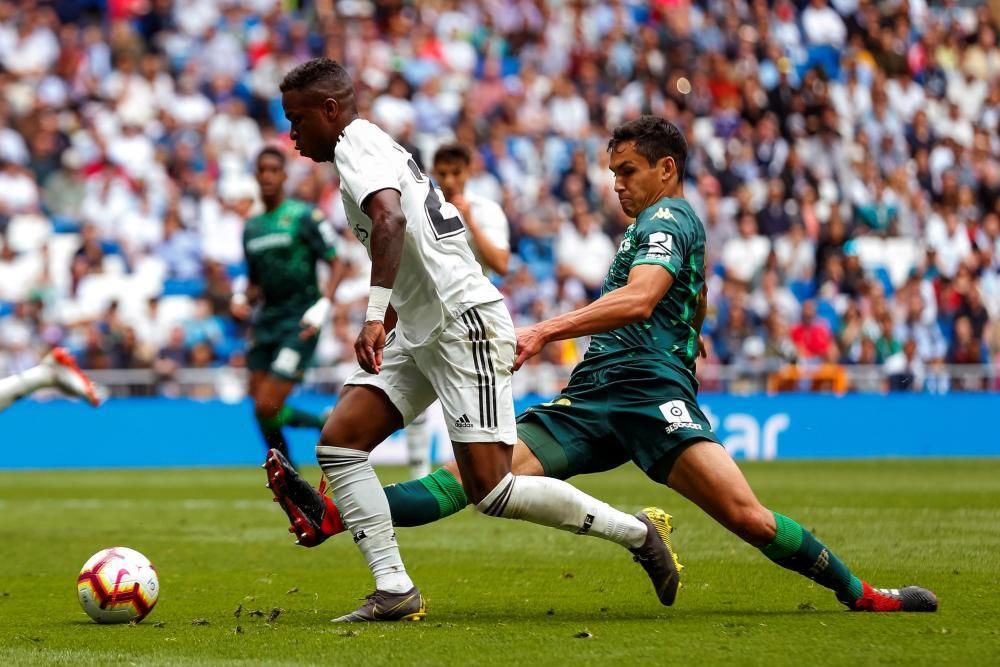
x,y
22,384
365,512
418,445
554,503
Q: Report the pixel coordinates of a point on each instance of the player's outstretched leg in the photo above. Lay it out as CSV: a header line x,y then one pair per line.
x,y
707,475
59,370
314,517
418,446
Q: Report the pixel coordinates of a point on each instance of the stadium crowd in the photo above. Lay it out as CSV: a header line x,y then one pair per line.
x,y
843,158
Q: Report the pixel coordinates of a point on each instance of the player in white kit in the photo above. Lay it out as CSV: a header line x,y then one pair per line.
x,y
453,340
57,370
488,234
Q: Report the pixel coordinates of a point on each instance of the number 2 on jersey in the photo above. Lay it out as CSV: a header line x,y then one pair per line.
x,y
443,227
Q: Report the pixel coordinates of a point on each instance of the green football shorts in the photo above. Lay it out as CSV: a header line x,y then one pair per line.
x,y
277,349
640,410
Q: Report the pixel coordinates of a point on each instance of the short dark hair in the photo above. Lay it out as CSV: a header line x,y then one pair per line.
x,y
655,138
323,75
453,153
272,151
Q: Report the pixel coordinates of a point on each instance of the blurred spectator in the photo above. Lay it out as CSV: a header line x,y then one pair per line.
x,y
180,249
744,255
811,335
584,251
905,369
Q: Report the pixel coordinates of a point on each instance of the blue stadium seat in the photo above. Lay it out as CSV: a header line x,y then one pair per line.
x,y
826,311
64,225
194,287
237,270
802,289
882,275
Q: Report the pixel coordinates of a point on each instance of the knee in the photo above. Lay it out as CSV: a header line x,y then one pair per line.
x,y
339,432
752,524
265,410
490,496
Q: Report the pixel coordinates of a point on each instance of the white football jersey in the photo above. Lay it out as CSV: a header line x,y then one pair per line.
x,y
490,218
438,277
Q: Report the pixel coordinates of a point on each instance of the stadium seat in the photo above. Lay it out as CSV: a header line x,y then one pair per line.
x,y
881,273
826,310
802,289
192,287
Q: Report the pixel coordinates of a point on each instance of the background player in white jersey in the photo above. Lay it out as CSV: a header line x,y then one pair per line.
x,y
454,340
58,371
488,233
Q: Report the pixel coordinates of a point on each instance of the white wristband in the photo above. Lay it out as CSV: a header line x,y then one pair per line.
x,y
378,303
240,299
318,313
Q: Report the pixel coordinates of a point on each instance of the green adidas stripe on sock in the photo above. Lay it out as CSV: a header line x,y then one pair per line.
x,y
796,549
446,490
425,500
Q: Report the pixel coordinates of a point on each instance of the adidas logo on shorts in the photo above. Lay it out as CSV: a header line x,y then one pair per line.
x,y
463,422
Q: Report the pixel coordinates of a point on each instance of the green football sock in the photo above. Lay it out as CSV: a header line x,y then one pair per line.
x,y
294,417
795,548
425,500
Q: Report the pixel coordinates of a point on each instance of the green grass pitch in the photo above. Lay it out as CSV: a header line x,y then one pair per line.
x,y
504,592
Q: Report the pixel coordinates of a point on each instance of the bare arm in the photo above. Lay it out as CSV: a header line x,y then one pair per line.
x,y
388,231
647,283
496,258
338,269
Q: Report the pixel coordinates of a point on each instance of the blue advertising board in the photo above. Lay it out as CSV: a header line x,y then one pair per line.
x,y
145,432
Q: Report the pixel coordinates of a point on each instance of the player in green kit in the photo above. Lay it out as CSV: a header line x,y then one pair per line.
x,y
634,395
282,246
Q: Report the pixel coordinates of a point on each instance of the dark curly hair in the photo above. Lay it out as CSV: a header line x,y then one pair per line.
x,y
655,138
322,75
273,152
453,153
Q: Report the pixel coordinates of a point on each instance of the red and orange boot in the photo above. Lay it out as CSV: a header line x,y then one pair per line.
x,y
910,598
311,512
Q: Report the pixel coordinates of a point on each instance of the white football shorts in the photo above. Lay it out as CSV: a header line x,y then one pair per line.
x,y
468,367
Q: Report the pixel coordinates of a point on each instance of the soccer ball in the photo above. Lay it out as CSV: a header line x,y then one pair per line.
x,y
118,585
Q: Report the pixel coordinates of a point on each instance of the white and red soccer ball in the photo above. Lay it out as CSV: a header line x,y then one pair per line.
x,y
118,585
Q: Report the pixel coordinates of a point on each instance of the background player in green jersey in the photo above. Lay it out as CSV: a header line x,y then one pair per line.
x,y
282,246
633,397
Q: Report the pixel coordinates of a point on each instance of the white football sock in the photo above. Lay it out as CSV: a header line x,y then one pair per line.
x,y
418,444
22,384
554,503
365,512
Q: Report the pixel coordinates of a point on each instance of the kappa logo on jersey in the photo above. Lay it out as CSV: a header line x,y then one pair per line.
x,y
661,245
463,422
663,214
677,416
